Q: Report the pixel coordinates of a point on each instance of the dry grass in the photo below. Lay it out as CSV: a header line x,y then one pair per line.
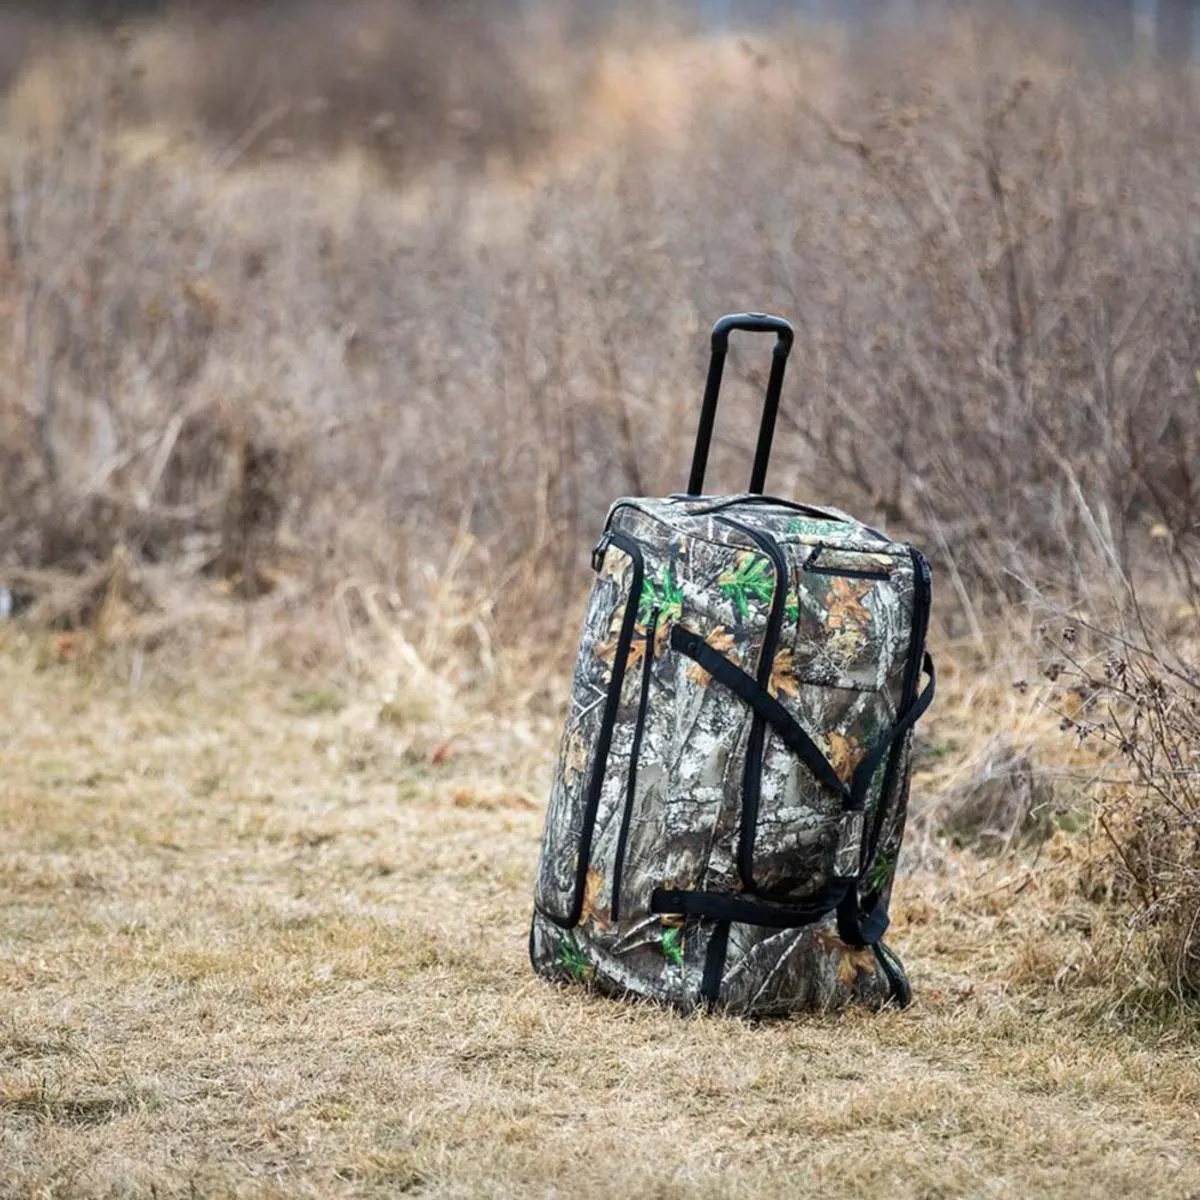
x,y
261,938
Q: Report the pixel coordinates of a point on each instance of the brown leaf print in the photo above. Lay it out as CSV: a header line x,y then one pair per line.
x,y
637,652
849,619
721,640
845,753
606,651
575,756
846,606
661,632
591,896
615,566
783,677
853,963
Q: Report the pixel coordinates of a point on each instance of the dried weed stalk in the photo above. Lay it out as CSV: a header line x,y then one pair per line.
x,y
1137,696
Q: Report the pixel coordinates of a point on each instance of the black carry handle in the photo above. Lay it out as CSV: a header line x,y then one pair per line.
x,y
750,323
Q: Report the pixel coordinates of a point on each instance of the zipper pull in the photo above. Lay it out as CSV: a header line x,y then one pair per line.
x,y
599,551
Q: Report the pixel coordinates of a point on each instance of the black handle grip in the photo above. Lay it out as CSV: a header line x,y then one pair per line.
x,y
753,323
748,323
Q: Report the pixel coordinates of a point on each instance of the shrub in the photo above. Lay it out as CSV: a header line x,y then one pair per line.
x,y
1137,694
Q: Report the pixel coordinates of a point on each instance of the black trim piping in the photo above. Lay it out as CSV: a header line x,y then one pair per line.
x,y
604,740
718,505
718,946
860,783
635,751
865,919
858,926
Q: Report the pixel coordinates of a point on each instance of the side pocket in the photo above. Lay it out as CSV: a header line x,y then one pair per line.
x,y
587,736
635,752
887,831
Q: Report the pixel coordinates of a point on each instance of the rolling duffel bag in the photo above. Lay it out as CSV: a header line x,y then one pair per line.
x,y
732,784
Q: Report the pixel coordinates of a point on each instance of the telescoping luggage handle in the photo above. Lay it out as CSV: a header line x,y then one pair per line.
x,y
750,323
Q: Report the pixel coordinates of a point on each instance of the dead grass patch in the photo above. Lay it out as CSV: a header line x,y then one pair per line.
x,y
200,999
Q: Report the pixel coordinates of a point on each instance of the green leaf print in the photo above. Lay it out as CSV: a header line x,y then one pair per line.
x,y
666,597
753,579
672,946
572,959
793,607
647,602
881,870
671,604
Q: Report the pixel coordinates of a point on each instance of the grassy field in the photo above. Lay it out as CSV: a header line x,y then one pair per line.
x,y
263,934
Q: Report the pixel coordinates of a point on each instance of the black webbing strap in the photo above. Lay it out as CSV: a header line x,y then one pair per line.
x,y
747,688
855,927
749,910
865,771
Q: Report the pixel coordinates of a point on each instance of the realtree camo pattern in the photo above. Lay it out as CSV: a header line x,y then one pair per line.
x,y
839,669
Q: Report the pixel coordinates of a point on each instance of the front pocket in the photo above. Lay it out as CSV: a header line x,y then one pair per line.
x,y
853,619
563,882
842,675
805,838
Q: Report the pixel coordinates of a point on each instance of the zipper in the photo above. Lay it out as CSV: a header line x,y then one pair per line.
x,y
604,739
634,753
810,510
716,506
844,572
922,605
752,779
847,573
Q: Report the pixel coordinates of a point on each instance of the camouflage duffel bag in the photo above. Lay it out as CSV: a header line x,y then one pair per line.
x,y
731,790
